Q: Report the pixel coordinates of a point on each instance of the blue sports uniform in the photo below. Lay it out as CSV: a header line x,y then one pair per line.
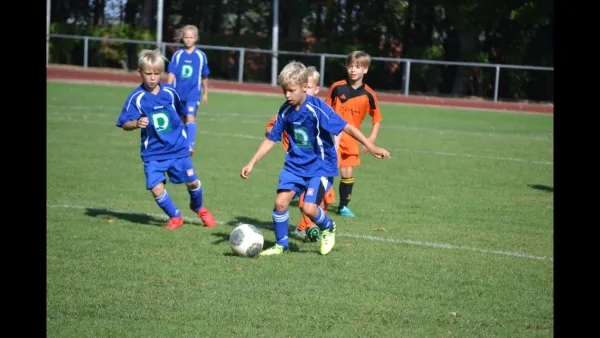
x,y
189,69
164,144
311,158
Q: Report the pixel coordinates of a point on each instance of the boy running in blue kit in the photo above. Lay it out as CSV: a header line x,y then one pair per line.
x,y
156,109
188,73
311,158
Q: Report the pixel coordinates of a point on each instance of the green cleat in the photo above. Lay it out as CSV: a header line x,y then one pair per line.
x,y
298,234
327,240
313,234
274,250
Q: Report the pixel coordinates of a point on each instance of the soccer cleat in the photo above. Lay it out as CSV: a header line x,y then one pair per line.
x,y
206,217
298,234
274,250
345,211
174,223
313,234
327,240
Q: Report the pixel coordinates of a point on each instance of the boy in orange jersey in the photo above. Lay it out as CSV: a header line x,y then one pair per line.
x,y
352,100
306,230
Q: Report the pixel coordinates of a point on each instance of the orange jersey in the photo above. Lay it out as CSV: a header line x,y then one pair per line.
x,y
284,137
353,105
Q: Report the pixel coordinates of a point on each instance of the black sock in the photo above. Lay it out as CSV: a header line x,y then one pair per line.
x,y
345,191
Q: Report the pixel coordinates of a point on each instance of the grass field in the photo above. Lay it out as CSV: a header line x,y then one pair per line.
x,y
454,235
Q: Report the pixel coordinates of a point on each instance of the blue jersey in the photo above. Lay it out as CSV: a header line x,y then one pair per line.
x,y
164,137
188,69
311,130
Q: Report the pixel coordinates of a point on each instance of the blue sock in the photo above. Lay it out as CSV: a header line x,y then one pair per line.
x,y
196,197
281,221
322,220
191,133
166,204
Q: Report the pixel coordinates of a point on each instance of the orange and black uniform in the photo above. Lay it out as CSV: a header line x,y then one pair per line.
x,y
329,196
352,105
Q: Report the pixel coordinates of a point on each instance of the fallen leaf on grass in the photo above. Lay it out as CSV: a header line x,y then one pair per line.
x,y
453,314
379,229
111,221
347,244
237,268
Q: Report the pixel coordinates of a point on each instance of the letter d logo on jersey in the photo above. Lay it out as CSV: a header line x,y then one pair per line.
x,y
186,71
161,122
301,138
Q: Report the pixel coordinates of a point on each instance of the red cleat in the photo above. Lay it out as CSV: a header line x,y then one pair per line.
x,y
207,217
174,223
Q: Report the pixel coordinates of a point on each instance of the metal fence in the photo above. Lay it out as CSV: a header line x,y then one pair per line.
x,y
322,57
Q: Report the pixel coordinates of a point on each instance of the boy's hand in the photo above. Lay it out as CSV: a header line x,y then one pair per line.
x,y
364,149
204,98
380,153
142,122
246,170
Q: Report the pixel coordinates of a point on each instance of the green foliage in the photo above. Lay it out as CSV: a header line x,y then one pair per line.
x,y
427,77
101,53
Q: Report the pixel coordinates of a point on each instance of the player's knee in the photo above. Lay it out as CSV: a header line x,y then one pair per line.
x,y
310,209
346,172
158,190
281,204
193,185
190,118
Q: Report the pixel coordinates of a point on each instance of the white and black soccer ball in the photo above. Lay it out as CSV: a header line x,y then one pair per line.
x,y
246,240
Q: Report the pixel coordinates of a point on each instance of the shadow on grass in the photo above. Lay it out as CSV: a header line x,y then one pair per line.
x,y
541,187
139,218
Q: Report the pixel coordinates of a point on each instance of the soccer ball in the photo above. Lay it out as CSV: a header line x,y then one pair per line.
x,y
246,240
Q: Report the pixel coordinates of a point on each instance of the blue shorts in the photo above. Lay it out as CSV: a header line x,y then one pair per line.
x,y
313,187
191,107
180,170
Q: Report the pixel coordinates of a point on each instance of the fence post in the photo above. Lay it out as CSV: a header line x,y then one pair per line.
x,y
322,70
241,66
85,53
496,83
163,49
407,78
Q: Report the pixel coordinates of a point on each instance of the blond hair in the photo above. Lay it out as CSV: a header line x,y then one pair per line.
x,y
360,57
151,59
293,73
314,74
180,32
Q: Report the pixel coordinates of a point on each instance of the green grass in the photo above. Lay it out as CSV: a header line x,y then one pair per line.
x,y
466,203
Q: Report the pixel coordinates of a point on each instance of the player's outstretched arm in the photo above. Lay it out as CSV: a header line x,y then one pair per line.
x,y
262,150
371,147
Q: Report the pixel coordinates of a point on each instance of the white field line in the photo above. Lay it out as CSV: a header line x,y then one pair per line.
x,y
244,92
254,137
341,234
262,117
